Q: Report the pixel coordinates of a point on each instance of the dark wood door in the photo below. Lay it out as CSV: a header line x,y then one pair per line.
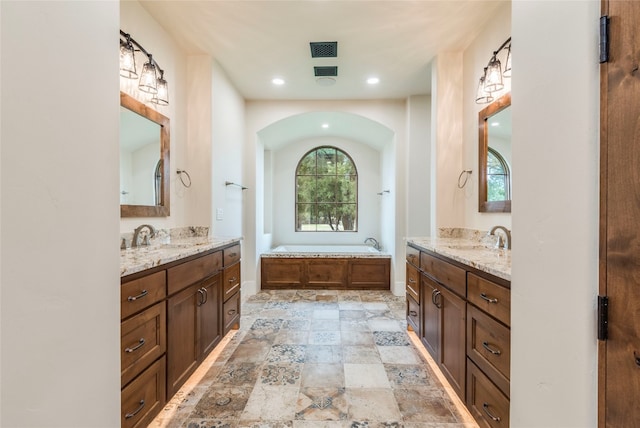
x,y
430,317
619,355
452,354
210,318
182,337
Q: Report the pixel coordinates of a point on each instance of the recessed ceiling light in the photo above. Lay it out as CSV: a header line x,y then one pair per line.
x,y
277,81
495,123
325,125
373,80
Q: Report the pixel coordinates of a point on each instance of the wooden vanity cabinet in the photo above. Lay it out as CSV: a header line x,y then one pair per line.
x,y
231,289
464,323
412,287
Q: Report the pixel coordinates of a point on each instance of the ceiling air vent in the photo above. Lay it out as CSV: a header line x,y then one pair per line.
x,y
324,49
325,71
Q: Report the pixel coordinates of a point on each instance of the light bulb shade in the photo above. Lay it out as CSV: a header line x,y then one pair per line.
x,y
127,61
483,97
148,78
162,96
507,64
493,76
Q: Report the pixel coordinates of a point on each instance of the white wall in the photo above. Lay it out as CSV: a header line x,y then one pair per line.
x,y
136,21
60,317
227,150
476,57
555,214
367,162
418,158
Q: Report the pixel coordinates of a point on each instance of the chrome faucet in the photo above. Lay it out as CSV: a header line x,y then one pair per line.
x,y
507,234
373,241
136,235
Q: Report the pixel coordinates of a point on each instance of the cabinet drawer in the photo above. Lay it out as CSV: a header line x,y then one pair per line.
x,y
231,311
492,298
489,346
487,404
142,292
185,274
413,314
142,340
231,255
413,282
143,398
231,280
413,256
445,273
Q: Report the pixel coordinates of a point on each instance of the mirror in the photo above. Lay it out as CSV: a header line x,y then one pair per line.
x,y
144,160
494,156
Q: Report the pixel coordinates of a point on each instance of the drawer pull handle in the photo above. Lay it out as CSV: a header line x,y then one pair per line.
x,y
412,281
488,348
413,313
637,358
485,407
234,279
139,296
437,302
231,312
488,299
233,254
135,412
135,348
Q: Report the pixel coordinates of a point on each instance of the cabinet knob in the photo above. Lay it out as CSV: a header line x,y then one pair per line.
x,y
135,412
135,348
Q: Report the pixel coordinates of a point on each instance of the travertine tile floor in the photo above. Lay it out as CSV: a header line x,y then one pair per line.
x,y
321,358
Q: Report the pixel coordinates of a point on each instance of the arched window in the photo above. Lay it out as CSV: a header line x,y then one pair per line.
x,y
498,177
326,191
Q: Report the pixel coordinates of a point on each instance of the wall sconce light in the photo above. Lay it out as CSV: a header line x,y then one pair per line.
x,y
491,79
152,76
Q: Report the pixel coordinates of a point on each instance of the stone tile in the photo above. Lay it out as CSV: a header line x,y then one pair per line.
x,y
300,337
222,402
358,324
352,314
288,374
271,403
399,355
365,376
326,314
296,324
266,324
370,404
238,374
323,325
255,352
405,375
285,353
375,306
323,375
385,325
391,338
322,337
424,405
321,404
324,354
362,338
320,424
361,354
330,298
208,423
265,424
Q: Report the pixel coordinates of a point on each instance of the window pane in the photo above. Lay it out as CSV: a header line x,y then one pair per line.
x,y
307,166
344,164
326,161
496,187
347,189
347,216
306,189
306,217
326,190
326,217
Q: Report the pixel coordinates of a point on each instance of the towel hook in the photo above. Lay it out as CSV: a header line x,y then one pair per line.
x,y
180,172
466,178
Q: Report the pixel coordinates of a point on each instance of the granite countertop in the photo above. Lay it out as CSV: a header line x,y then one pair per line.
x,y
137,259
480,255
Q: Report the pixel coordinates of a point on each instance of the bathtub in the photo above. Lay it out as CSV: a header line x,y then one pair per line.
x,y
326,249
339,267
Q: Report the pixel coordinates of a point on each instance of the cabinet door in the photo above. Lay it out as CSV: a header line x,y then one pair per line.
x,y
182,337
453,334
430,317
209,314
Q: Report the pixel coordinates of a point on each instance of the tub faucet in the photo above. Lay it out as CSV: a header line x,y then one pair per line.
x,y
373,241
507,234
136,235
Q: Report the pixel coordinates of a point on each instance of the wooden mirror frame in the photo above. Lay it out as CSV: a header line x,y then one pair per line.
x,y
161,210
485,206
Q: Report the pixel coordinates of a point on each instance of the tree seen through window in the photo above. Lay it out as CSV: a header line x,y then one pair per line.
x,y
326,191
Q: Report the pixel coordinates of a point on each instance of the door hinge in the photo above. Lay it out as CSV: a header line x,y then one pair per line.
x,y
603,317
604,39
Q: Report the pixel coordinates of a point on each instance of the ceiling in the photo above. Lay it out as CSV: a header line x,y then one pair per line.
x,y
255,41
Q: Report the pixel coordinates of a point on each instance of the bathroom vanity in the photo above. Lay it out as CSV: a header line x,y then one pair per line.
x,y
178,300
458,303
